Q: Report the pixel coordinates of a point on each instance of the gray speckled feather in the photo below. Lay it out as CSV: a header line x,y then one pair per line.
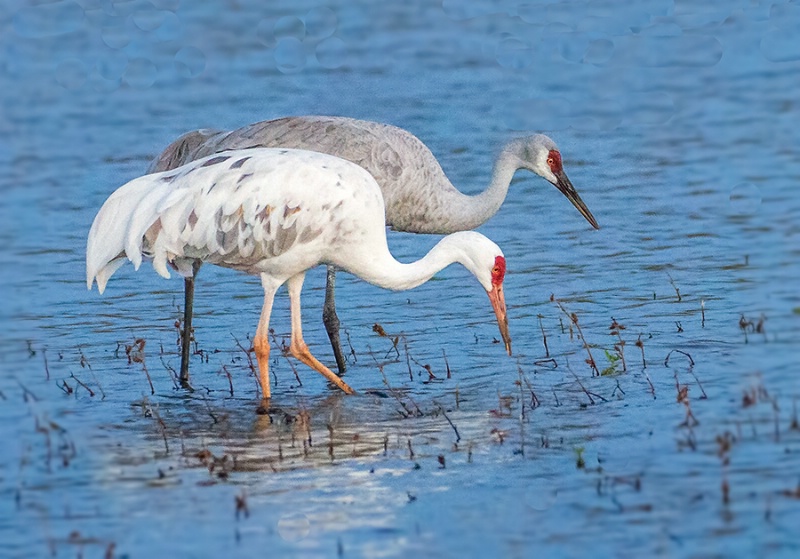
x,y
258,210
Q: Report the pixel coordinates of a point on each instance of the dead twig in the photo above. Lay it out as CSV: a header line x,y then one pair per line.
x,y
76,379
352,349
677,291
406,413
46,368
703,396
585,391
748,325
616,328
683,398
135,354
86,365
574,320
702,313
66,388
640,345
551,363
248,354
408,358
544,336
441,409
230,380
617,388
161,424
25,392
241,505
173,375
285,351
378,329
666,361
652,388
211,414
744,324
431,376
535,403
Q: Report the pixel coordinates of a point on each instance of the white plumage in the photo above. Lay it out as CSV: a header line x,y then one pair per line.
x,y
277,213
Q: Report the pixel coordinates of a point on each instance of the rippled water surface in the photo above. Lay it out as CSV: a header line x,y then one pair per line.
x,y
678,125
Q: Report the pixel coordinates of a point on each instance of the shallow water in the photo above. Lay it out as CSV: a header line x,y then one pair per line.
x,y
678,126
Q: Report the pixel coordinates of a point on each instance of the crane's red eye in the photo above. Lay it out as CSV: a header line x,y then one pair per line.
x,y
499,270
554,161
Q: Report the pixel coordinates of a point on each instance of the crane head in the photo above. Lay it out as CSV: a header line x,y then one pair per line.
x,y
498,299
485,260
560,180
539,154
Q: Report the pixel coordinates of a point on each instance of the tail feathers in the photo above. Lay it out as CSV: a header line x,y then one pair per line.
x,y
104,247
160,259
105,273
117,231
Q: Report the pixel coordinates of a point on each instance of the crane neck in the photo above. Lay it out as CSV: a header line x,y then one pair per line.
x,y
469,212
489,201
383,270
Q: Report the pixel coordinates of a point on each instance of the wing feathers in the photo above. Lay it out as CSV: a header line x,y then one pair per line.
x,y
233,208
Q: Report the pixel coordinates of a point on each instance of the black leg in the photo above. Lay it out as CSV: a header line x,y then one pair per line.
x,y
331,321
186,333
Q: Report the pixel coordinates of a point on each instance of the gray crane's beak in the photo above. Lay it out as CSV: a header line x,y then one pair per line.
x,y
499,305
565,186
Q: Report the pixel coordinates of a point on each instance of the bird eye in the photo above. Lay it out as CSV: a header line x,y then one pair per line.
x,y
549,160
495,270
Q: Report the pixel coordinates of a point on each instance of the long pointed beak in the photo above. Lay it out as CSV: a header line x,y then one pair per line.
x,y
565,186
499,306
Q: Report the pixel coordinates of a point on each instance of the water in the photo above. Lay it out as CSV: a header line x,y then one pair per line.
x,y
678,127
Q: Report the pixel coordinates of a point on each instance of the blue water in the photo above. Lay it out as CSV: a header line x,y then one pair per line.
x,y
678,126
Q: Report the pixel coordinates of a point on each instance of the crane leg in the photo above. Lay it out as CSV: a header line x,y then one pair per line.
x,y
331,320
261,341
298,347
186,331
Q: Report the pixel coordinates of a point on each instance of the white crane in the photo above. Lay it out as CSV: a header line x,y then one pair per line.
x,y
277,213
418,195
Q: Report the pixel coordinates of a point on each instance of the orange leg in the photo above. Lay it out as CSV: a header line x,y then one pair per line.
x,y
298,347
261,341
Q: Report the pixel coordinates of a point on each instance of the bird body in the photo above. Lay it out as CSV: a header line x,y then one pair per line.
x,y
277,213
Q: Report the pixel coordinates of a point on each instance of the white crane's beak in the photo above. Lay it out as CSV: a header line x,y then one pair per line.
x,y
564,185
499,305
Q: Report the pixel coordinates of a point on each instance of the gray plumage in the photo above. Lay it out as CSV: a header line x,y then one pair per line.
x,y
418,195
